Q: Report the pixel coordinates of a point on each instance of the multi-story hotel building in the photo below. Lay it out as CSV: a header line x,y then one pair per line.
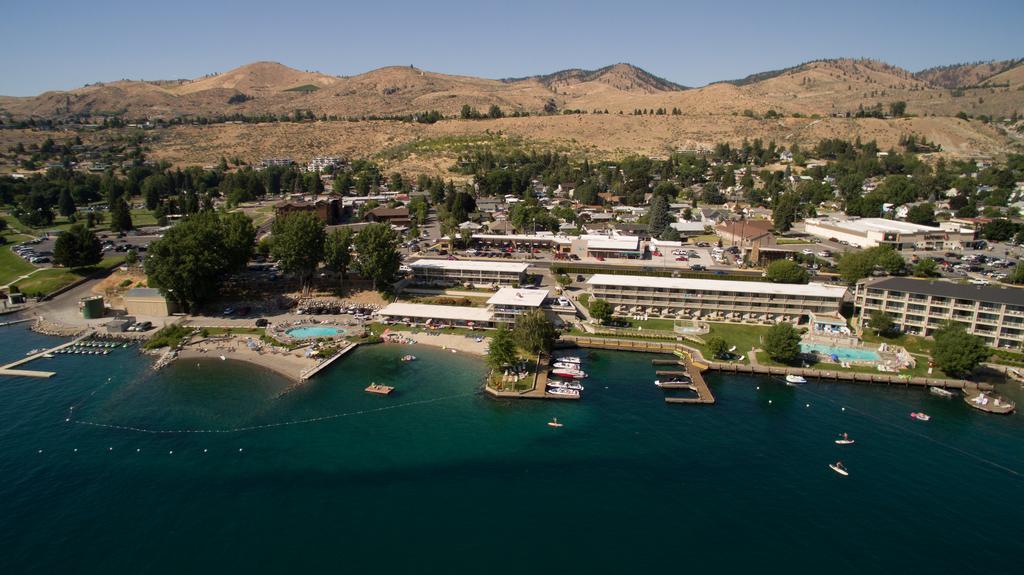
x,y
503,307
479,273
920,307
717,299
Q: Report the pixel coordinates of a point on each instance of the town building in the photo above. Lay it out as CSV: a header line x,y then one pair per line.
x,y
871,232
148,302
508,303
460,272
321,163
328,211
395,216
721,300
270,162
919,307
440,315
746,233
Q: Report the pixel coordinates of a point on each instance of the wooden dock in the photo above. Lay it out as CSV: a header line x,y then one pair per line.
x,y
10,368
704,396
379,389
539,388
323,365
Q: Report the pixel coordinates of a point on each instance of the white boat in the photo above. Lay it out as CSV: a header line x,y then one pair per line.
x,y
941,392
844,440
408,358
568,373
794,379
676,380
568,359
566,385
838,468
563,365
563,392
554,422
222,358
920,416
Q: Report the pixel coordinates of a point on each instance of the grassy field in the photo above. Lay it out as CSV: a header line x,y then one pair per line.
x,y
12,266
920,370
914,344
51,279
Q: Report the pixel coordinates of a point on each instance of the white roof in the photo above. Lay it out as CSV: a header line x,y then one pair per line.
x,y
688,226
538,237
811,289
600,242
470,265
519,296
863,225
449,312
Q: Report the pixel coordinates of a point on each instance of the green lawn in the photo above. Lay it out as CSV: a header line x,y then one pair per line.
x,y
657,324
914,344
790,241
12,266
920,370
47,281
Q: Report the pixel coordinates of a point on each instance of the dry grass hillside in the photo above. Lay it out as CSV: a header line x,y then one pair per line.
x,y
966,75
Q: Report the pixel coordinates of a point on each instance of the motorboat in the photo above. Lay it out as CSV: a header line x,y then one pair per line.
x,y
568,373
563,365
563,392
941,392
792,379
222,358
674,381
838,468
408,358
554,422
920,416
568,359
844,440
566,385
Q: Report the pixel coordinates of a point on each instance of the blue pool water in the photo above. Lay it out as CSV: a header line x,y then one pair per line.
x,y
843,353
314,331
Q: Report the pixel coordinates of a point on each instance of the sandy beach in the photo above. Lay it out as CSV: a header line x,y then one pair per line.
x,y
287,363
459,343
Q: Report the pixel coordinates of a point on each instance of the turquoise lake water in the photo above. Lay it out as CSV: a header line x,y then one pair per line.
x,y
314,331
843,353
438,477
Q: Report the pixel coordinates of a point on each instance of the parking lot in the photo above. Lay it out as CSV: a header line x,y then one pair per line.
x,y
39,251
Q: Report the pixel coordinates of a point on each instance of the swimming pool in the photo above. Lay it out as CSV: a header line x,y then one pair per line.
x,y
843,353
309,331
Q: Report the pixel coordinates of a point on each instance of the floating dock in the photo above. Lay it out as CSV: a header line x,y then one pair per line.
x,y
10,368
379,389
323,365
693,370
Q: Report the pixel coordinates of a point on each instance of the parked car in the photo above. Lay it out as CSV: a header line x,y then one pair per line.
x,y
697,268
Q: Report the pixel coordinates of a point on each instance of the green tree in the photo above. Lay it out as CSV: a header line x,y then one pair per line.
x,y
782,342
298,245
926,268
239,240
190,262
338,251
131,257
77,247
717,346
786,272
658,216
534,332
786,211
889,260
957,352
563,280
999,230
1017,275
501,351
65,204
881,322
378,258
897,109
600,310
121,217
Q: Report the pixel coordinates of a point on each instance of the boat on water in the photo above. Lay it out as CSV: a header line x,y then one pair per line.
x,y
941,392
563,391
674,381
989,402
568,373
568,359
408,358
920,416
792,379
839,468
222,358
34,351
562,365
566,385
554,423
844,439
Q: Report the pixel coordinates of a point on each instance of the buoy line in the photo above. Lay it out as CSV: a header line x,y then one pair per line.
x,y
976,457
265,425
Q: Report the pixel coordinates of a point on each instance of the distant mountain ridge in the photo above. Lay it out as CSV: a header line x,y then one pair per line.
x,y
968,74
624,76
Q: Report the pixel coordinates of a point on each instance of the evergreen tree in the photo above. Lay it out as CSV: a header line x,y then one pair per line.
x,y
77,247
65,204
121,216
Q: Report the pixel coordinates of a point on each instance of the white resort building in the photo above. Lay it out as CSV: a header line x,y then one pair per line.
x,y
721,300
871,232
503,307
459,272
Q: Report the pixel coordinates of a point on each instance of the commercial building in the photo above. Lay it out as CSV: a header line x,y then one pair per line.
x,y
871,232
395,216
447,315
478,273
328,211
746,233
508,303
920,307
723,300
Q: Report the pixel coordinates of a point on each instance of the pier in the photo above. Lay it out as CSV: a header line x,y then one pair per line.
x,y
323,365
539,388
694,372
10,368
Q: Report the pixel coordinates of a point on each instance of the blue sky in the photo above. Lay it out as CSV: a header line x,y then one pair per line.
x,y
64,44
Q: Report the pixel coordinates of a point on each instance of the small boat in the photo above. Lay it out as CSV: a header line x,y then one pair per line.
x,y
563,392
554,422
48,355
408,358
838,468
222,358
33,352
566,385
844,440
941,392
673,381
792,379
568,359
568,373
920,416
561,365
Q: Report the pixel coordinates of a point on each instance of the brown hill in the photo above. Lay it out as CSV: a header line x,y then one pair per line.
x,y
966,75
624,77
